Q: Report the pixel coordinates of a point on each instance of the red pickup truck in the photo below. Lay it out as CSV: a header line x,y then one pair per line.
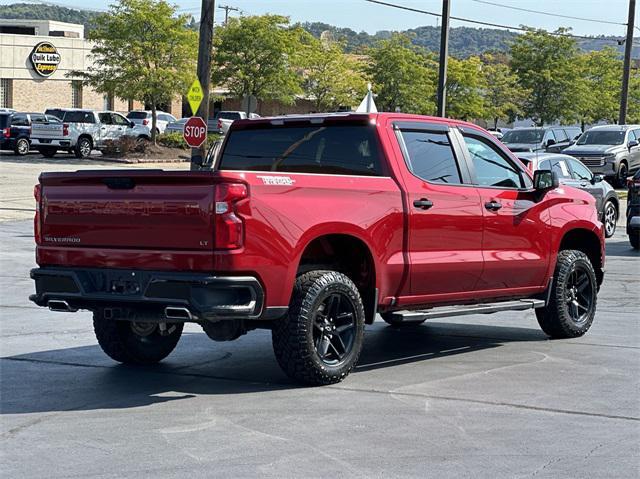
x,y
309,226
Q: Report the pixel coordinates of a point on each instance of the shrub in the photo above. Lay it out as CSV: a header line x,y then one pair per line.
x,y
124,145
175,140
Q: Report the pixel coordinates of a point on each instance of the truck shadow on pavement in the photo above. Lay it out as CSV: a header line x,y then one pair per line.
x,y
82,378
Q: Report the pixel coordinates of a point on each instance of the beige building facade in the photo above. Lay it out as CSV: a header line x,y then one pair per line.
x,y
23,88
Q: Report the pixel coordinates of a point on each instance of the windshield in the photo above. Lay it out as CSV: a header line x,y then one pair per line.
x,y
523,136
137,115
343,149
602,137
228,115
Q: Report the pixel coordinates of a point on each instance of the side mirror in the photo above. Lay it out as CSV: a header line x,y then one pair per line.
x,y
550,142
632,144
131,124
596,179
212,154
544,180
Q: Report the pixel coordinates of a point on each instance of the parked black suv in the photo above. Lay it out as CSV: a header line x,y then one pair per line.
x,y
633,210
548,139
15,129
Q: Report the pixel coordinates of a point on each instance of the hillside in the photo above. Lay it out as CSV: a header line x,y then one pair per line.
x,y
464,41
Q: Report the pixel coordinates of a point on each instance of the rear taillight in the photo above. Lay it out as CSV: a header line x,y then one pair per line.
x,y
145,122
219,124
229,227
37,194
6,132
65,129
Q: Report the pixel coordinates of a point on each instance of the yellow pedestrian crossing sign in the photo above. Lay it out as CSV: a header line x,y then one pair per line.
x,y
195,96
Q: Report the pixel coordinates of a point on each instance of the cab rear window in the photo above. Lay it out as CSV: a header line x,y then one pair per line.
x,y
78,117
323,149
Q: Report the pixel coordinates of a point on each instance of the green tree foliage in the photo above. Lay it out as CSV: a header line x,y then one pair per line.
x,y
403,76
465,84
259,56
600,80
331,78
546,66
633,105
142,51
502,94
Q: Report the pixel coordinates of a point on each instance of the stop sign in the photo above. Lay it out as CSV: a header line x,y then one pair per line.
x,y
195,131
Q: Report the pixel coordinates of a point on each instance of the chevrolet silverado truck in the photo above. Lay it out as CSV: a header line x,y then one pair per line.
x,y
82,131
310,226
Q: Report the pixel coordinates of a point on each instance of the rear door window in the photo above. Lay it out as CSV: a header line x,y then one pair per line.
x,y
431,157
335,149
105,118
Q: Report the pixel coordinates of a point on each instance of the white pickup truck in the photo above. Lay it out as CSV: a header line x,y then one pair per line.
x,y
226,118
82,131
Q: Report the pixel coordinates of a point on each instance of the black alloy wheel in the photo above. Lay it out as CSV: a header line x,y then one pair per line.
x,y
621,178
579,295
334,328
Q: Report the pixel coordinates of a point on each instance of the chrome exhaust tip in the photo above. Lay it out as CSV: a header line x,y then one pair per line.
x,y
60,306
177,313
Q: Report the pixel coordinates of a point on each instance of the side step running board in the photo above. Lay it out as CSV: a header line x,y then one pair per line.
x,y
447,311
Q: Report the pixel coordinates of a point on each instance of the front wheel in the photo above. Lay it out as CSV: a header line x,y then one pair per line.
x,y
320,340
572,304
621,178
140,342
610,218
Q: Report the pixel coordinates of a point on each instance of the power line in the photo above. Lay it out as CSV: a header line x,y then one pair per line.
x,y
487,24
548,13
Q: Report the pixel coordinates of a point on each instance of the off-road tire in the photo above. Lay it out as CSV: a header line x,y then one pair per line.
x,y
48,152
118,340
81,150
292,336
22,147
620,180
555,319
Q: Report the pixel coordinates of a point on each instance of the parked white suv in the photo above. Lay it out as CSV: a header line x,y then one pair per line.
x,y
144,118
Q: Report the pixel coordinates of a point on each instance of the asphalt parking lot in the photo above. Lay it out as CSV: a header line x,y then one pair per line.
x,y
477,396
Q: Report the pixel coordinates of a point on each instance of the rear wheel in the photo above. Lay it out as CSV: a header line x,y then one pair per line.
x,y
83,147
320,340
22,147
634,239
572,304
609,218
141,342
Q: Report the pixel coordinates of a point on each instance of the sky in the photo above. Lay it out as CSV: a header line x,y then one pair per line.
x,y
360,15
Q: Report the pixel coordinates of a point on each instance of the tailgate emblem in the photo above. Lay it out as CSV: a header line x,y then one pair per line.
x,y
58,239
276,180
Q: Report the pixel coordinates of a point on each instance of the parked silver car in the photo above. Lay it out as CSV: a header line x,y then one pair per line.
x,y
144,118
572,172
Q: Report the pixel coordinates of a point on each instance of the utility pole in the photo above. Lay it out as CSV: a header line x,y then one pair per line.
x,y
226,9
444,52
205,48
626,71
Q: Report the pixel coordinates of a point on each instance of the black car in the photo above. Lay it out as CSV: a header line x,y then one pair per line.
x,y
548,139
16,130
633,210
572,172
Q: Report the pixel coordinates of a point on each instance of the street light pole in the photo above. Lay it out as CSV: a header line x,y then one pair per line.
x,y
205,48
626,71
444,52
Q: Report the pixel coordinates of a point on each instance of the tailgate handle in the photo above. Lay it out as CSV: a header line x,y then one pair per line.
x,y
119,183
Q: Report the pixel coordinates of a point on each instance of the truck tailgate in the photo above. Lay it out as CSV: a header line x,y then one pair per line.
x,y
46,131
147,209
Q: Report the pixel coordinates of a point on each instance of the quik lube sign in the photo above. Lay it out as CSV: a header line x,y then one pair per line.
x,y
45,59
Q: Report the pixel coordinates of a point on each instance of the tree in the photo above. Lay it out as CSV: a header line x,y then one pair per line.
x,y
258,56
142,51
502,95
633,109
404,76
331,78
546,66
599,85
464,89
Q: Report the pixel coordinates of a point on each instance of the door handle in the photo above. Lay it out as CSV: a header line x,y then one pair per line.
x,y
493,205
423,203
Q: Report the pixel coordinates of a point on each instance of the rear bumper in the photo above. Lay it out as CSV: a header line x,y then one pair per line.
x,y
36,142
206,297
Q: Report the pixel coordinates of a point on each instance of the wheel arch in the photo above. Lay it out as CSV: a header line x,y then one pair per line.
x,y
347,253
589,243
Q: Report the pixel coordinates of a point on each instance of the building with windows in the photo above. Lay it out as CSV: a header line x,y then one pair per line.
x,y
35,58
